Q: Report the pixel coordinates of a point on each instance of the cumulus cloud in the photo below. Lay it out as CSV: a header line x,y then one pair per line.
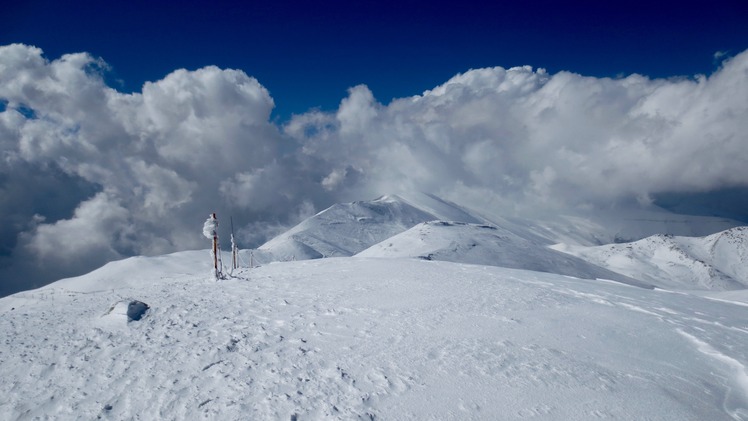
x,y
142,168
528,137
126,174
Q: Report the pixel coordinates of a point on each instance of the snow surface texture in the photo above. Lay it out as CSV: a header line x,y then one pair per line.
x,y
715,262
356,338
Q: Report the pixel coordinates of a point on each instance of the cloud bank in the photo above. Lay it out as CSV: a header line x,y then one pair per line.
x,y
89,174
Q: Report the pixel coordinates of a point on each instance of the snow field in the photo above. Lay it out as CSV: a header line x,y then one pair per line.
x,y
366,338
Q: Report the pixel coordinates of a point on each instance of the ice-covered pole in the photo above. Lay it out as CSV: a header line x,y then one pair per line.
x,y
210,231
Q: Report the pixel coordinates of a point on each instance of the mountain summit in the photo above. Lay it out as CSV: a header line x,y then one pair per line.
x,y
348,228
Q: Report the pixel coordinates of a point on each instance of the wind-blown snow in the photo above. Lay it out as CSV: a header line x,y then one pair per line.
x,y
358,338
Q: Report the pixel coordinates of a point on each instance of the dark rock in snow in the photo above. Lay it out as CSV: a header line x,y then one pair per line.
x,y
136,310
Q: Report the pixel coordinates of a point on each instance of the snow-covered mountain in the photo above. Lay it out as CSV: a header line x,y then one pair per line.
x,y
486,245
347,228
715,262
390,226
360,338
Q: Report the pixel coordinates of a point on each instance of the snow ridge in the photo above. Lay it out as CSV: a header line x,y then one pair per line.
x,y
715,262
486,245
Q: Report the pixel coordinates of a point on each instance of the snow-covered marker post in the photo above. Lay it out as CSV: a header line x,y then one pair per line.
x,y
210,231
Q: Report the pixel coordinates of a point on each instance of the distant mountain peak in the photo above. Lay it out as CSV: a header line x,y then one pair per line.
x,y
715,262
345,229
388,198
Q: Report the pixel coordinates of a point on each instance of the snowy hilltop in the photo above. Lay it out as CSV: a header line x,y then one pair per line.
x,y
364,338
403,307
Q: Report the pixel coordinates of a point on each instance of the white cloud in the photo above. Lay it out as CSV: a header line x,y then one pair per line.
x,y
91,233
160,156
259,190
528,136
357,111
333,180
201,141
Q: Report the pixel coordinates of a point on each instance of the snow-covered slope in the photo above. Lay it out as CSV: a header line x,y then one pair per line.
x,y
356,338
580,227
486,245
715,262
598,227
442,209
349,228
345,229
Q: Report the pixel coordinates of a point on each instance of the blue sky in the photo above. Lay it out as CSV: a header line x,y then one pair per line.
x,y
309,53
